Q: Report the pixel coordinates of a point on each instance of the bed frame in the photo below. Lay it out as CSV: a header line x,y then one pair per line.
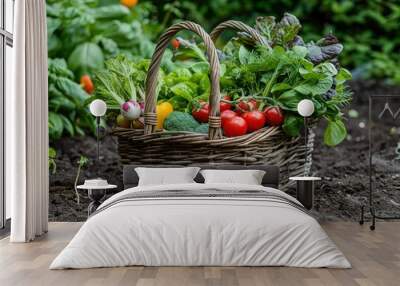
x,y
271,177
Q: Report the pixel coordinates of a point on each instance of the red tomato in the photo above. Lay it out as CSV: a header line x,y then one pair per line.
x,y
175,43
235,126
246,105
273,115
87,84
224,105
227,115
255,120
201,113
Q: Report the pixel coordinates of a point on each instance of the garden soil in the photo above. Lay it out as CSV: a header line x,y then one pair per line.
x,y
344,169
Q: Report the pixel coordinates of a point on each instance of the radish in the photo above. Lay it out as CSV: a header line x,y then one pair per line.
x,y
141,108
130,110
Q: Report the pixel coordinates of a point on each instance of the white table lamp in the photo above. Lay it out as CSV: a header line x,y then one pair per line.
x,y
98,108
305,108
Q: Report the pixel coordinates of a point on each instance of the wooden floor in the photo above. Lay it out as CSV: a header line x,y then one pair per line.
x,y
375,257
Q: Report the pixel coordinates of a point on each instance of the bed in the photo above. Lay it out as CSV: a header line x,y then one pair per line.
x,y
201,224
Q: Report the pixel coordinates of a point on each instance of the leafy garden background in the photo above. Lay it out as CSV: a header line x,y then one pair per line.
x,y
84,34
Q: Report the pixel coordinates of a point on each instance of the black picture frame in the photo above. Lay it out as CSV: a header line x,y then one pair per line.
x,y
395,113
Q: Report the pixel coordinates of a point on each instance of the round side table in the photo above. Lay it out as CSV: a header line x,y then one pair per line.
x,y
96,194
305,190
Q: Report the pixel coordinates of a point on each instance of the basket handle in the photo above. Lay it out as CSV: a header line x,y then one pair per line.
x,y
241,27
150,118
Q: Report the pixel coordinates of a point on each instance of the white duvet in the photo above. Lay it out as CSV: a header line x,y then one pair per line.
x,y
200,231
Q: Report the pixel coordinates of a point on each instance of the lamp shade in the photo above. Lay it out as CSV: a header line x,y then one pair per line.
x,y
98,107
305,108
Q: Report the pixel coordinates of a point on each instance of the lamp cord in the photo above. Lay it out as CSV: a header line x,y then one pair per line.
x,y
306,145
97,137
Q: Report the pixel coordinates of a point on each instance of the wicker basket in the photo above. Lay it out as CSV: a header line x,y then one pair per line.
x,y
265,146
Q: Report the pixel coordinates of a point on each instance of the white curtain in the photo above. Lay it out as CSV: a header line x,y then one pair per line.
x,y
26,124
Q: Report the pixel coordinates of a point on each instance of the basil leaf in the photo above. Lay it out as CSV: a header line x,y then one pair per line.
x,y
335,132
52,25
183,90
326,69
280,87
310,87
55,125
300,51
343,75
222,70
243,55
71,90
59,67
67,125
110,12
86,58
54,45
201,67
61,102
289,100
292,125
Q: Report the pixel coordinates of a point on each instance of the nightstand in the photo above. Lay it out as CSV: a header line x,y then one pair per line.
x,y
96,194
305,190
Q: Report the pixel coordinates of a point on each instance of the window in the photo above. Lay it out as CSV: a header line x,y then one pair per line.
x,y
6,66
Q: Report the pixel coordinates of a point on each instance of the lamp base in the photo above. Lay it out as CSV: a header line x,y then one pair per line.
x,y
305,193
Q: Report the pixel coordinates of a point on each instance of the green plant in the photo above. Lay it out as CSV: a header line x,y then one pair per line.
x,y
82,34
83,161
367,29
121,80
180,121
286,71
87,32
52,160
183,78
289,70
67,113
280,77
281,74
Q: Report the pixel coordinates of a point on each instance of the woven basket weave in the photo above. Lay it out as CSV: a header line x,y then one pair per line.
x,y
265,146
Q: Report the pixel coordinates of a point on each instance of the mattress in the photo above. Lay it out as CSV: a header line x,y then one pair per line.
x,y
201,225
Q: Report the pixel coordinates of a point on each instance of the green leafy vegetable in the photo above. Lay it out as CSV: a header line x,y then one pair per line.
x,y
67,112
52,160
110,12
121,80
335,132
86,58
292,125
180,121
287,73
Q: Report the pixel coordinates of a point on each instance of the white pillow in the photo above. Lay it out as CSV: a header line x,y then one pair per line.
x,y
166,176
247,177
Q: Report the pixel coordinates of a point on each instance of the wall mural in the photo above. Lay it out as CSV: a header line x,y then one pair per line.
x,y
108,59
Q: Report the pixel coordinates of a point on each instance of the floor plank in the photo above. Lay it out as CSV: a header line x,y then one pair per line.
x,y
375,257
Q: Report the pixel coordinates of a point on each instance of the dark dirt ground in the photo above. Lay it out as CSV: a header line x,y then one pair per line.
x,y
344,169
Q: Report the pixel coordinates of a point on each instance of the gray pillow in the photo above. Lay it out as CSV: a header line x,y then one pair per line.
x,y
166,176
246,177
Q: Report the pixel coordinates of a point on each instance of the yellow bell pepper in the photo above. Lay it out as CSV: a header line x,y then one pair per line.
x,y
162,111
